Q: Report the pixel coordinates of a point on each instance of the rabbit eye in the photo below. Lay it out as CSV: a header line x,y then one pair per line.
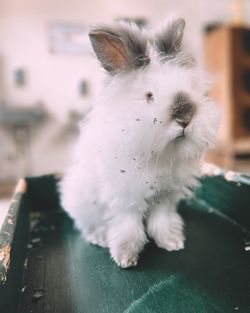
x,y
149,96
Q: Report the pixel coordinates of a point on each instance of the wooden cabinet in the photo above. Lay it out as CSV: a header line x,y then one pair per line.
x,y
227,58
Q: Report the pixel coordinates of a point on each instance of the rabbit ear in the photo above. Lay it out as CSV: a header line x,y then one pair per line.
x,y
168,42
119,48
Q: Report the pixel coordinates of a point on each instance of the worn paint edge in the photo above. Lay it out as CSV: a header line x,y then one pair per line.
x,y
21,186
209,169
8,229
4,262
20,189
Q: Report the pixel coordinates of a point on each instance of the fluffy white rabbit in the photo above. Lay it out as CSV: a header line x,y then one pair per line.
x,y
140,147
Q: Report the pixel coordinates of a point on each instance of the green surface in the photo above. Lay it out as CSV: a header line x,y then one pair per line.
x,y
210,275
229,197
65,274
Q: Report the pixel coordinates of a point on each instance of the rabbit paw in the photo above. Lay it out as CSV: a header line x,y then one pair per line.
x,y
172,241
167,232
125,260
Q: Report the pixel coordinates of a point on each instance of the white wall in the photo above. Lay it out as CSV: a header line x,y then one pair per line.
x,y
53,78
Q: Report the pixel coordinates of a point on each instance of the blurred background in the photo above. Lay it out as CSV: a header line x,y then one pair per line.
x,y
49,75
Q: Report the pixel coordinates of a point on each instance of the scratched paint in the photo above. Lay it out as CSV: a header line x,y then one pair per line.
x,y
10,221
4,207
8,229
4,262
230,176
173,295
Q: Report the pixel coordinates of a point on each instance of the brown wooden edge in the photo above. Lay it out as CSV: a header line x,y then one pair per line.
x,y
8,229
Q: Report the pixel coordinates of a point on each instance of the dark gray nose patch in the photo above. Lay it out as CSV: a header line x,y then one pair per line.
x,y
183,108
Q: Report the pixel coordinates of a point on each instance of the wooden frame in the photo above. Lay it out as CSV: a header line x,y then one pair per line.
x,y
227,56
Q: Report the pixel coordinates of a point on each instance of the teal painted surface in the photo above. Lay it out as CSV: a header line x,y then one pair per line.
x,y
176,291
230,197
211,275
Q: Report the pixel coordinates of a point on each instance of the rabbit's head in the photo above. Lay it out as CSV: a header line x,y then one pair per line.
x,y
154,89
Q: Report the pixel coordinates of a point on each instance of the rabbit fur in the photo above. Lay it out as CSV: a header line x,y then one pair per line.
x,y
139,149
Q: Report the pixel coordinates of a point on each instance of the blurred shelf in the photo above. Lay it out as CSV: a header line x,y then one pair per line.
x,y
7,187
20,116
19,123
227,51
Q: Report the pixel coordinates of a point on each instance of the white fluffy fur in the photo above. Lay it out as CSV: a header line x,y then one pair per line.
x,y
128,171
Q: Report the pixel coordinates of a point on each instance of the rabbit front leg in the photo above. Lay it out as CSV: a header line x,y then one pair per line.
x,y
126,238
165,227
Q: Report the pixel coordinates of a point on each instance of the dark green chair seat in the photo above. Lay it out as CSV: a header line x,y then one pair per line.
x,y
64,274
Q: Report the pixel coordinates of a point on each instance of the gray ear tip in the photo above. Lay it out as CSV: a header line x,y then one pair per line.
x,y
93,32
181,22
97,29
96,33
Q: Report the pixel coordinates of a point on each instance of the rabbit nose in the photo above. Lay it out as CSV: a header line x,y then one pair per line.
x,y
182,123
